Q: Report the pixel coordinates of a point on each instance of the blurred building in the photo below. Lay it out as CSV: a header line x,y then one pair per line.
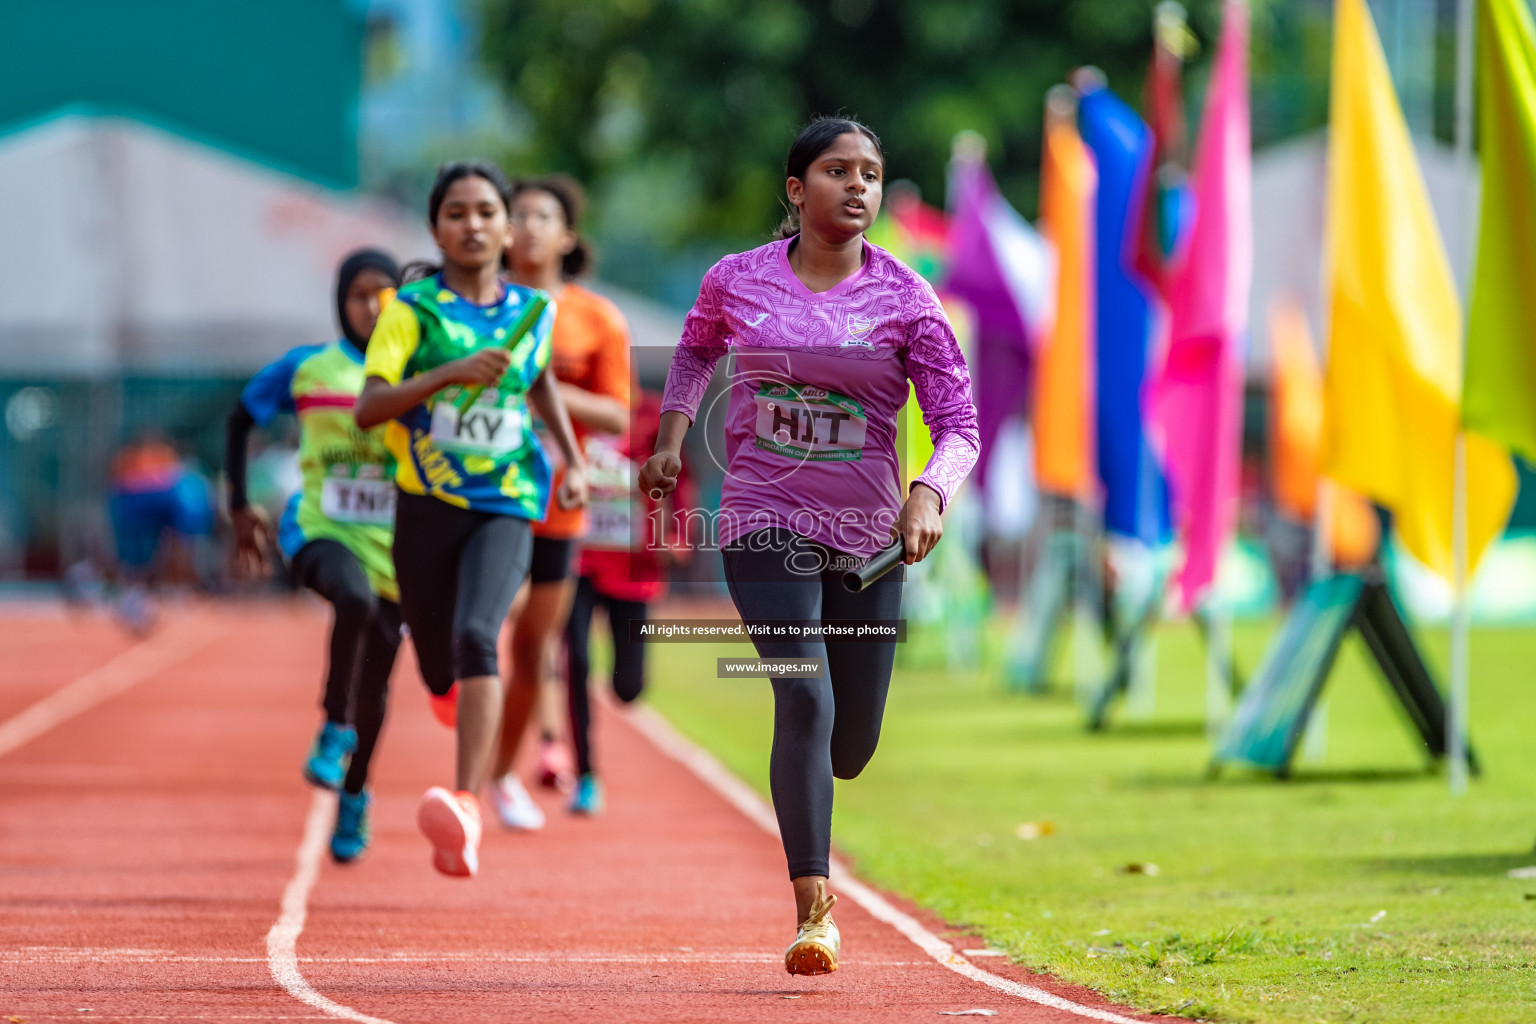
x,y
424,95
177,183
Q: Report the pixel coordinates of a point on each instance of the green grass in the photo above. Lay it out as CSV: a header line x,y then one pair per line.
x,y
1267,902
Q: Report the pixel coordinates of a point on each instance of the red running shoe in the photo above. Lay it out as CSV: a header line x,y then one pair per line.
x,y
557,770
446,708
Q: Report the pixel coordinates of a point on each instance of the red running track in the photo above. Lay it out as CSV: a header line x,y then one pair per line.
x,y
147,839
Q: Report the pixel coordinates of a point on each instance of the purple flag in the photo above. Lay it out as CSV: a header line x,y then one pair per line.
x,y
1005,271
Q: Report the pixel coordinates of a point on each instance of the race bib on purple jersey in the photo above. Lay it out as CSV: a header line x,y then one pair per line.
x,y
810,424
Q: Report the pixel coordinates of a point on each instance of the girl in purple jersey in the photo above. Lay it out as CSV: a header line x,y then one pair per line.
x,y
826,330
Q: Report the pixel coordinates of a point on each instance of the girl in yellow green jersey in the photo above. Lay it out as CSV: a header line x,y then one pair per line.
x,y
336,532
470,480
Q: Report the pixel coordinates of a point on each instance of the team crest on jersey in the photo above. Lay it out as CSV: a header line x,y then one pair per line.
x,y
858,327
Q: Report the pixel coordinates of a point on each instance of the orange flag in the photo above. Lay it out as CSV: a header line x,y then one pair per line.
x,y
1296,440
1064,376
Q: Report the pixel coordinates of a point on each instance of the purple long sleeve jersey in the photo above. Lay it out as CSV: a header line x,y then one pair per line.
x,y
816,383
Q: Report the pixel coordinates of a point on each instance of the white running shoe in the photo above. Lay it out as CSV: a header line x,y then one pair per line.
x,y
514,806
451,823
817,948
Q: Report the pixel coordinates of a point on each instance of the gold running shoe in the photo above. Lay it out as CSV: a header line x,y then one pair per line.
x,y
815,949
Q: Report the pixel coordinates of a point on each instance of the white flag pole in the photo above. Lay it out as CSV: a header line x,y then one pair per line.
x,y
1461,624
1456,718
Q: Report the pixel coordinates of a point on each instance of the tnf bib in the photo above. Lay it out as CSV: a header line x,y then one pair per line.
x,y
810,424
358,495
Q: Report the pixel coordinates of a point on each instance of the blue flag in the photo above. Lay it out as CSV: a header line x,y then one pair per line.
x,y
1135,489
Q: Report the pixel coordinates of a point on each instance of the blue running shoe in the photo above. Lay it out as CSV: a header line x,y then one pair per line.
x,y
328,758
589,796
351,836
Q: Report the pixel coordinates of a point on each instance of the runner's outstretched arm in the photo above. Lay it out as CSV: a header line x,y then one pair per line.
x,y
252,533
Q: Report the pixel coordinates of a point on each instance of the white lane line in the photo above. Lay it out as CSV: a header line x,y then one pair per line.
x,y
284,936
177,642
744,798
553,957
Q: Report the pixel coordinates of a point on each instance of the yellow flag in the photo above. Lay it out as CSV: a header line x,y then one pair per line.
x,y
1392,393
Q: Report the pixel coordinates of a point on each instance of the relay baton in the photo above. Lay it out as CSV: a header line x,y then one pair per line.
x,y
884,560
524,323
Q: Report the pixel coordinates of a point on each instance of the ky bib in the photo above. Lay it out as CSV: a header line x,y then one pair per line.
x,y
494,426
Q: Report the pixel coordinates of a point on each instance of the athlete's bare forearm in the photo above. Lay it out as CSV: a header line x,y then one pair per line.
x,y
599,412
381,400
545,399
669,437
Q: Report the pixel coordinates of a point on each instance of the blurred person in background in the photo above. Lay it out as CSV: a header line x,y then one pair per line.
x,y
471,480
826,331
335,533
159,506
622,569
591,362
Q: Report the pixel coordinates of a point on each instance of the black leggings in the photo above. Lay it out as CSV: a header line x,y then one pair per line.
x,y
628,660
365,634
459,571
828,726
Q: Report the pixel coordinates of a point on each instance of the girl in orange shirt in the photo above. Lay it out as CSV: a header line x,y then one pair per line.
x,y
591,363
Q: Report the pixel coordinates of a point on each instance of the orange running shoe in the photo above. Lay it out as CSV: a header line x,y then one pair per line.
x,y
446,708
451,823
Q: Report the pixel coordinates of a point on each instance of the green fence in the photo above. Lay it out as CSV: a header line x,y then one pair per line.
x,y
60,439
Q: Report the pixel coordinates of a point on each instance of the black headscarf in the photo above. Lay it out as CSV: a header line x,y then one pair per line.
x,y
359,261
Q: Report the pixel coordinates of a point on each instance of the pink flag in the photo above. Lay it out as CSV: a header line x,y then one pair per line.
x,y
1198,395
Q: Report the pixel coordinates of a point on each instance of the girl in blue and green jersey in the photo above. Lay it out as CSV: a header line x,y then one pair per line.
x,y
471,481
336,532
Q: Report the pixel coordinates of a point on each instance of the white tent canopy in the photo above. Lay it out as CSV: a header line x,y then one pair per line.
x,y
1289,196
131,249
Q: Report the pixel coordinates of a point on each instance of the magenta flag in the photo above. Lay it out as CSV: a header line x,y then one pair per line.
x,y
1197,397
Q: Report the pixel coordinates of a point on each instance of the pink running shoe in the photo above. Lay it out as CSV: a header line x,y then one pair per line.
x,y
451,823
556,768
446,708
